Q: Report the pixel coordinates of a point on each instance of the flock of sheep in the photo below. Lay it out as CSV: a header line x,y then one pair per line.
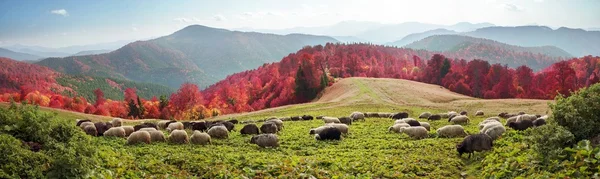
x,y
332,129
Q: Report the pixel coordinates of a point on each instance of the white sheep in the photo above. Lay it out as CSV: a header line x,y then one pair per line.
x,y
277,122
200,138
451,131
83,124
479,113
460,120
157,136
487,121
385,115
128,130
117,122
342,127
357,116
495,131
511,119
115,132
179,137
528,117
162,124
426,125
175,126
318,129
218,132
415,132
425,115
396,127
331,120
265,140
147,129
139,137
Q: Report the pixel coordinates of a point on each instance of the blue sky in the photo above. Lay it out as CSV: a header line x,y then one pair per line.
x,y
64,23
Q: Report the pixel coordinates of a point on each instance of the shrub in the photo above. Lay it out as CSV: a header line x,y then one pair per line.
x,y
18,161
549,140
583,161
579,113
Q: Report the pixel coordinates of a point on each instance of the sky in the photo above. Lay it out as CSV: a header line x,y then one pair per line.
x,y
64,23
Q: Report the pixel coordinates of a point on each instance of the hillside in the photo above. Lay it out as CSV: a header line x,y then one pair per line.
x,y
91,52
490,50
17,76
196,54
18,55
394,32
577,42
418,36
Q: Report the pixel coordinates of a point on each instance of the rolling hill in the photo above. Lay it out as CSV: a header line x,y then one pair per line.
x,y
418,36
91,52
18,55
196,54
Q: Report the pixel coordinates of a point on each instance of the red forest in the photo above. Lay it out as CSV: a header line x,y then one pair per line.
x,y
300,76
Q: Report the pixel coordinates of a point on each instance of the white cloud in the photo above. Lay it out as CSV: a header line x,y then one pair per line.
x,y
218,17
182,19
512,7
61,12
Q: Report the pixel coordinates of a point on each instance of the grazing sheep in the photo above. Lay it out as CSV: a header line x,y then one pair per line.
x,y
249,129
474,143
464,113
265,140
355,116
396,127
451,131
371,114
200,126
479,113
460,120
511,119
409,121
331,120
415,132
345,120
84,124
187,125
425,125
169,123
434,117
90,130
444,115
144,125
318,129
342,127
268,127
521,125
102,127
157,136
521,113
80,121
319,117
295,118
528,117
494,130
425,115
162,125
115,132
452,115
539,122
175,126
178,136
234,121
400,115
148,129
329,133
307,117
277,122
384,115
218,132
487,121
139,137
117,122
128,130
200,138
230,125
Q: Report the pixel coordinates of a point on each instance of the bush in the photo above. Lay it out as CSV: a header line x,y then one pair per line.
x,y
583,160
66,151
549,140
579,113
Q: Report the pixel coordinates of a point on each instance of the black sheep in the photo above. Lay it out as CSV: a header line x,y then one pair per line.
x,y
463,113
200,126
330,133
186,125
228,125
249,129
474,143
144,125
102,127
33,146
233,121
434,117
400,115
171,121
413,123
307,117
539,122
345,120
82,121
268,128
295,118
520,125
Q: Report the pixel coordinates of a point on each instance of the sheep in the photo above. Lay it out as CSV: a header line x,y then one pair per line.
x,y
83,124
459,120
479,113
187,125
277,122
451,115
218,132
545,117
511,119
464,113
200,126
400,115
539,122
285,119
307,117
319,117
396,127
434,117
229,125
178,136
526,117
318,129
117,122
444,115
426,125
371,114
234,121
295,118
486,122
425,115
249,129
139,137
175,126
451,131
115,132
162,125
90,130
415,132
102,127
331,120
494,130
148,129
265,140
157,136
409,121
268,127
521,113
144,125
355,116
474,143
521,125
80,121
345,120
128,130
384,115
200,138
329,133
342,127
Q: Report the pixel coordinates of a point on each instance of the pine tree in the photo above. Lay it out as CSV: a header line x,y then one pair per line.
x,y
141,108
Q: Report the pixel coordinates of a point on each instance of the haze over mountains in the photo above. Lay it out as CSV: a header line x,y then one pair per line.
x,y
18,55
67,51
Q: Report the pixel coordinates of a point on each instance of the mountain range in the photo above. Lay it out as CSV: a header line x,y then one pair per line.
x,y
66,51
197,54
18,55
